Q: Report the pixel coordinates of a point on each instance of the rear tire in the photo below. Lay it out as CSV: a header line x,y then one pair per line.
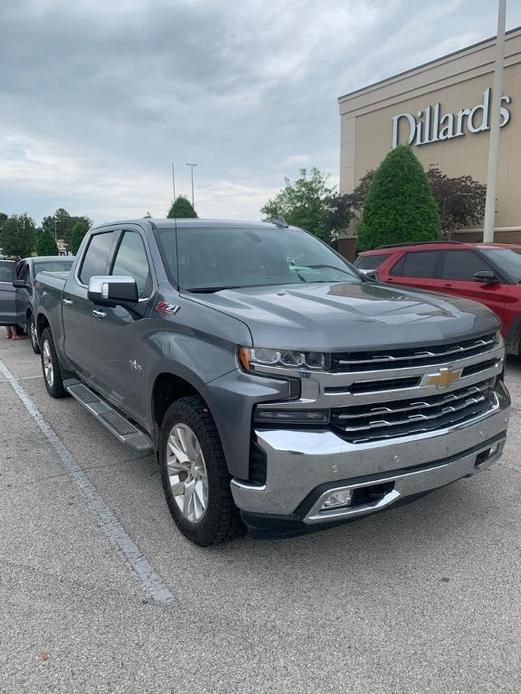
x,y
52,375
194,474
33,335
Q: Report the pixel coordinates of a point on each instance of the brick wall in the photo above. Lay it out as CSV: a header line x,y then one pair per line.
x,y
509,235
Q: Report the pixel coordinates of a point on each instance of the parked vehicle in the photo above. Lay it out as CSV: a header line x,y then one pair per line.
x,y
486,272
272,380
7,293
21,294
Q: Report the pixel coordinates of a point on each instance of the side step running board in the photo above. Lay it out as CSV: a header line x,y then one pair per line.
x,y
123,430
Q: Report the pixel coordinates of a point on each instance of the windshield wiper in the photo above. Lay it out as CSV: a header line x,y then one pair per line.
x,y
210,290
327,267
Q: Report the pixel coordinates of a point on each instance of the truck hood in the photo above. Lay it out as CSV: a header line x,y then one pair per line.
x,y
334,317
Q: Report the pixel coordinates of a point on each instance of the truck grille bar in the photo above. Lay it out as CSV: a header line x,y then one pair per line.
x,y
403,358
365,423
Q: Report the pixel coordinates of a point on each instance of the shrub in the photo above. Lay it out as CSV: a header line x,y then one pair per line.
x,y
399,207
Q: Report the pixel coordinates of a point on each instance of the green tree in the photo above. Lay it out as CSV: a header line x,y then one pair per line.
x,y
310,203
182,208
399,207
58,225
18,236
46,245
79,230
3,219
61,223
461,199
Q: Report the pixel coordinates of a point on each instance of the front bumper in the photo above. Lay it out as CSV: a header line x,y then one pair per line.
x,y
304,467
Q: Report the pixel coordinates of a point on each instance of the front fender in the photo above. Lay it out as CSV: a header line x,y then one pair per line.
x,y
211,368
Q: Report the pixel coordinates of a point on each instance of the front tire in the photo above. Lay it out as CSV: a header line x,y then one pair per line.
x,y
33,335
52,375
195,478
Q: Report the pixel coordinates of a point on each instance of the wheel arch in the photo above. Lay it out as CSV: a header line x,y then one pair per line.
x,y
169,387
41,323
513,337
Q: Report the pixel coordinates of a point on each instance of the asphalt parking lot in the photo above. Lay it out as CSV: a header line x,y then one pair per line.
x,y
423,598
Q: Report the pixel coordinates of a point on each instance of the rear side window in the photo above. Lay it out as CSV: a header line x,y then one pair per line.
x,y
417,264
131,260
97,257
7,271
370,262
52,266
462,265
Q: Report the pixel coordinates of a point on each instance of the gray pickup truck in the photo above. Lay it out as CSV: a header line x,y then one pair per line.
x,y
279,389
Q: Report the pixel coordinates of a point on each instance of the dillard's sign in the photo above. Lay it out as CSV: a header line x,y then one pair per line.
x,y
431,126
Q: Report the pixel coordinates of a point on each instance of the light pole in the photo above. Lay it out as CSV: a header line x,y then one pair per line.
x,y
192,175
493,142
173,180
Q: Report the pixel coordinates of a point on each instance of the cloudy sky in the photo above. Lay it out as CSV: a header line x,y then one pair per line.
x,y
98,97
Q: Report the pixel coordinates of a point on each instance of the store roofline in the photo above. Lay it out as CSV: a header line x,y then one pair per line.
x,y
419,67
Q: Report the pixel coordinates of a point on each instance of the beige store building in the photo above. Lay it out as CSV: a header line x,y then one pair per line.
x,y
442,109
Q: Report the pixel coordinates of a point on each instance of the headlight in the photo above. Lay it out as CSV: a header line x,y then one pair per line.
x,y
252,357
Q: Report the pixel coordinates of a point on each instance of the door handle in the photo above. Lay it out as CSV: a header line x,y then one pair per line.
x,y
67,302
98,314
449,286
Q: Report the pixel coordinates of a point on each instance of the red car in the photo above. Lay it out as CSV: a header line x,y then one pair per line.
x,y
486,272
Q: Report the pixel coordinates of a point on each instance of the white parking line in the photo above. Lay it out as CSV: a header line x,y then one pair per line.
x,y
22,378
150,580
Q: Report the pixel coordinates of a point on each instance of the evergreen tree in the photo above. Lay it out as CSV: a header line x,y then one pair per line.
x,y
46,245
18,236
79,230
182,208
399,207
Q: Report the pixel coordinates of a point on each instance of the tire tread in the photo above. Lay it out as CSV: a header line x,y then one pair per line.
x,y
227,523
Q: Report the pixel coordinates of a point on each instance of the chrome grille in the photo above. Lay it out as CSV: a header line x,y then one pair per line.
x,y
404,358
371,422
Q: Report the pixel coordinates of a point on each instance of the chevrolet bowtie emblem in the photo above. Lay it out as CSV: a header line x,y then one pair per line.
x,y
443,379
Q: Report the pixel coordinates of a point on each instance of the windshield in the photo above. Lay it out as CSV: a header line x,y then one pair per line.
x,y
209,259
53,266
507,260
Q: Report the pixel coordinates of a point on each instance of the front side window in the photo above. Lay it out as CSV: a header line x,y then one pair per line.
x,y
97,257
417,264
209,259
24,274
463,265
131,260
507,261
370,262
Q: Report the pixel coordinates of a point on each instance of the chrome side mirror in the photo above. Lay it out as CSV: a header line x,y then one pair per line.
x,y
111,290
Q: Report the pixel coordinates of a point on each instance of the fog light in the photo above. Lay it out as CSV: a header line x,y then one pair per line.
x,y
493,450
343,497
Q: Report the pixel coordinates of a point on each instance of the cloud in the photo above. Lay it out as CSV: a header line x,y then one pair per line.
x,y
98,98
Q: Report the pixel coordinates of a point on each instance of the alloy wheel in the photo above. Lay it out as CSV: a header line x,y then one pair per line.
x,y
48,368
187,472
34,336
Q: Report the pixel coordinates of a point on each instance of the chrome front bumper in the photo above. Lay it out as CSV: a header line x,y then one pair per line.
x,y
303,467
